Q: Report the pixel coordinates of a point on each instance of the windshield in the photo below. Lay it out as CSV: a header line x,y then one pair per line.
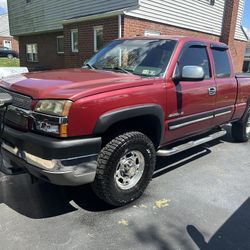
x,y
148,58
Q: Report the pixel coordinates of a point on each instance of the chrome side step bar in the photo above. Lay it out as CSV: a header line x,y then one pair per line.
x,y
191,144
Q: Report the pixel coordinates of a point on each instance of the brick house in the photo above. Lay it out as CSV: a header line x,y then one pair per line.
x,y
60,34
6,40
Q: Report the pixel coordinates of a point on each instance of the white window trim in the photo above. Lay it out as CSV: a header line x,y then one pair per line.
x,y
7,41
35,61
96,28
59,52
72,44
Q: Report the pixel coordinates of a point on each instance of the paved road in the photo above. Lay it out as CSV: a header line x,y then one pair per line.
x,y
206,206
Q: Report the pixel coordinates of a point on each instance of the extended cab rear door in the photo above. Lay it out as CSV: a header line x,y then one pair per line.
x,y
190,104
226,85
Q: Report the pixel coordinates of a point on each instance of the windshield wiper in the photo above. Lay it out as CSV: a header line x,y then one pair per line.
x,y
118,69
89,66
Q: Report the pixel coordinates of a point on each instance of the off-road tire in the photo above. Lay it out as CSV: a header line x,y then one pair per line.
x,y
105,186
239,129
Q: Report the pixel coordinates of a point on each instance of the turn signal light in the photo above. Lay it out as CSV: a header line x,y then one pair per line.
x,y
64,130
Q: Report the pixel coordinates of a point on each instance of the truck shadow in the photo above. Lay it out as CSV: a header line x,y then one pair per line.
x,y
233,234
42,200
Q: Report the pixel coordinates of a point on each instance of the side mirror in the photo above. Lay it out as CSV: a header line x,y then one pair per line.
x,y
192,73
5,100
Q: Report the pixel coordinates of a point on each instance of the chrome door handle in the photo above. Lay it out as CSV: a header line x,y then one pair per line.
x,y
212,91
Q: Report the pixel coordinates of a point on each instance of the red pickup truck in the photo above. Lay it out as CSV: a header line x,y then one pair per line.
x,y
135,99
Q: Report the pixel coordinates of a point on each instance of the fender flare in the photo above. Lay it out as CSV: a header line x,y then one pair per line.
x,y
108,119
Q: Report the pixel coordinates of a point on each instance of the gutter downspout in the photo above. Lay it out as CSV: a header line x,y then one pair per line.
x,y
119,26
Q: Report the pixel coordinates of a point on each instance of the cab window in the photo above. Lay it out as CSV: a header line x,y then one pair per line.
x,y
196,56
222,63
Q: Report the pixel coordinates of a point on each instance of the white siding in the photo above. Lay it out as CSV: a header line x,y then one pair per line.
x,y
191,14
47,15
4,25
239,34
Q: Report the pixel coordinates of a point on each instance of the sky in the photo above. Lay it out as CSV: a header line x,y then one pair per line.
x,y
3,6
246,19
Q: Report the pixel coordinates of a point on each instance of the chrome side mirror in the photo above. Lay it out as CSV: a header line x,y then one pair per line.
x,y
192,73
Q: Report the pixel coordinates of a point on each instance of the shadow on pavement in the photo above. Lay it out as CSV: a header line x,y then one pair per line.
x,y
151,237
233,234
33,200
44,200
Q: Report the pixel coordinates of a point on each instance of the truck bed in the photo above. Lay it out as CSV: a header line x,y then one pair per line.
x,y
242,75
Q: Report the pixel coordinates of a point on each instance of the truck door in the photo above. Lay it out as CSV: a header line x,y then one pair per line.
x,y
226,85
190,104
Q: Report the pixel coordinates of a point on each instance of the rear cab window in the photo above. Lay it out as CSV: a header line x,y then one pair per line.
x,y
221,61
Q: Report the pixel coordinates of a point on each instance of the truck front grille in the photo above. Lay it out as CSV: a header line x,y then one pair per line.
x,y
19,100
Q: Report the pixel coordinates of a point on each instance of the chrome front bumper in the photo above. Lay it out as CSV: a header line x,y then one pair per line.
x,y
61,162
67,172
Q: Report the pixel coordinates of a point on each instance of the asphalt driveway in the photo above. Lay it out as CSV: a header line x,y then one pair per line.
x,y
197,200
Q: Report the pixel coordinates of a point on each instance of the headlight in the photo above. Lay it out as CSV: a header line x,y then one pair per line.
x,y
53,107
51,117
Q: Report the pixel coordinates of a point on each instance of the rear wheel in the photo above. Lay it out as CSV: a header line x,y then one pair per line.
x,y
125,168
241,129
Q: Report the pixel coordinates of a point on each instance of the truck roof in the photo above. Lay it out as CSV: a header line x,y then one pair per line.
x,y
174,37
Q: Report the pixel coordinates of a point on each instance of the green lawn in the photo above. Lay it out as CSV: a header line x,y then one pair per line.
x,y
5,62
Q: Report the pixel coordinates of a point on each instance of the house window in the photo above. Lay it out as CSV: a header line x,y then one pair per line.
x,y
98,38
32,52
211,2
60,44
248,51
7,44
74,40
152,33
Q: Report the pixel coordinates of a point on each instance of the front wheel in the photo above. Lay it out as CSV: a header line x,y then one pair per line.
x,y
241,129
125,167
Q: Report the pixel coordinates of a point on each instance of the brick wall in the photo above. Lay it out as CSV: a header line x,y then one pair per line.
x,y
14,42
238,49
228,31
136,27
86,39
47,51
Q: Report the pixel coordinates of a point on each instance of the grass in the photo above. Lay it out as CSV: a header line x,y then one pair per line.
x,y
5,62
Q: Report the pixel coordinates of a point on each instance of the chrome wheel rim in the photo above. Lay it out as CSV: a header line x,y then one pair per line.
x,y
129,169
248,127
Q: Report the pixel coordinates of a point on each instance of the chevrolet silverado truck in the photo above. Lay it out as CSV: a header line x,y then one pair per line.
x,y
136,99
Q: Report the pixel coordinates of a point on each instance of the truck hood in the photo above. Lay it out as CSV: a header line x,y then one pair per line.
x,y
71,84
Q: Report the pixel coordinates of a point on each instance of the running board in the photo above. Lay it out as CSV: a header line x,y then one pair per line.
x,y
191,144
